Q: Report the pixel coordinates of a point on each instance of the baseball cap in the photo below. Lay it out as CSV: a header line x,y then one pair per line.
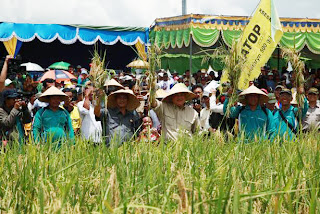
x,y
7,82
11,93
84,71
285,90
272,98
279,86
313,91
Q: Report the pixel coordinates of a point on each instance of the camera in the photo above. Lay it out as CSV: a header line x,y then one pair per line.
x,y
14,67
196,101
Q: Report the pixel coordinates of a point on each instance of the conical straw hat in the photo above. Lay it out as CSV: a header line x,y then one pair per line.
x,y
52,91
113,82
133,101
179,88
160,93
253,90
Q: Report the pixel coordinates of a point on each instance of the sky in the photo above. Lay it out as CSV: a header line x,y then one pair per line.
x,y
139,13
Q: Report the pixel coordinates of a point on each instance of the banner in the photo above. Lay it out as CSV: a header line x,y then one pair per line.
x,y
259,40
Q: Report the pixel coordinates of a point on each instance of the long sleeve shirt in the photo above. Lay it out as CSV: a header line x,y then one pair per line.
x,y
90,128
293,116
175,120
257,123
53,126
207,111
11,123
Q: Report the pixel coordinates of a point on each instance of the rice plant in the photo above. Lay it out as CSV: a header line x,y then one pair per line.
x,y
199,175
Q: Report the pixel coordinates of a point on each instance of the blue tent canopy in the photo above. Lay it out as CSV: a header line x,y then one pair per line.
x,y
69,34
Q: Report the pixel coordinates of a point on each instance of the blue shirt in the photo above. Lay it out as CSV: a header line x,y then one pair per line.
x,y
293,116
258,123
52,125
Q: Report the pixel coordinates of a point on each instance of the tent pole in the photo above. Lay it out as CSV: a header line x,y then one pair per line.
x,y
190,57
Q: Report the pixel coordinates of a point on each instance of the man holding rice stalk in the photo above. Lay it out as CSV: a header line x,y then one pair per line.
x,y
120,121
255,121
288,118
175,116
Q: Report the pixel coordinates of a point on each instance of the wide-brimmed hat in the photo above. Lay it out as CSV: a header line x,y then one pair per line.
x,y
113,82
253,90
179,88
133,101
52,91
160,93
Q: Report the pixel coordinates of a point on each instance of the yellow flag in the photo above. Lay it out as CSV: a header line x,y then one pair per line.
x,y
11,46
141,51
259,40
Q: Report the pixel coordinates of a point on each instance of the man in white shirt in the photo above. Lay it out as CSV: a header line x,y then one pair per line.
x,y
312,118
90,128
167,83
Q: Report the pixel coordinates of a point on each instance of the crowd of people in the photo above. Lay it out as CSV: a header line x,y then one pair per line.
x,y
132,108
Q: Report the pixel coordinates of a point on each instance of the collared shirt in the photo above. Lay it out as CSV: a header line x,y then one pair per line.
x,y
119,128
292,116
312,118
175,120
257,123
90,128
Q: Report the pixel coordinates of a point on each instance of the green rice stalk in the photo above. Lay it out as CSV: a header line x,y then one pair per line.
x,y
294,57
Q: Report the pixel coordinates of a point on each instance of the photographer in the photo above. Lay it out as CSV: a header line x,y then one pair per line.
x,y
13,114
196,103
4,71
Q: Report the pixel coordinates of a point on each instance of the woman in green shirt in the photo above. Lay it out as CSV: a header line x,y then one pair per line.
x,y
53,123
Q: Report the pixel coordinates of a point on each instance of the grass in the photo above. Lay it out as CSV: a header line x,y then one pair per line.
x,y
199,175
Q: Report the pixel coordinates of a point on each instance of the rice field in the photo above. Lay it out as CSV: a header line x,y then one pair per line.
x,y
199,175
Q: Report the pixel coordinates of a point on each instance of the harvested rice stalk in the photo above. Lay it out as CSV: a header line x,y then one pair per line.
x,y
154,62
98,73
98,76
232,72
294,57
